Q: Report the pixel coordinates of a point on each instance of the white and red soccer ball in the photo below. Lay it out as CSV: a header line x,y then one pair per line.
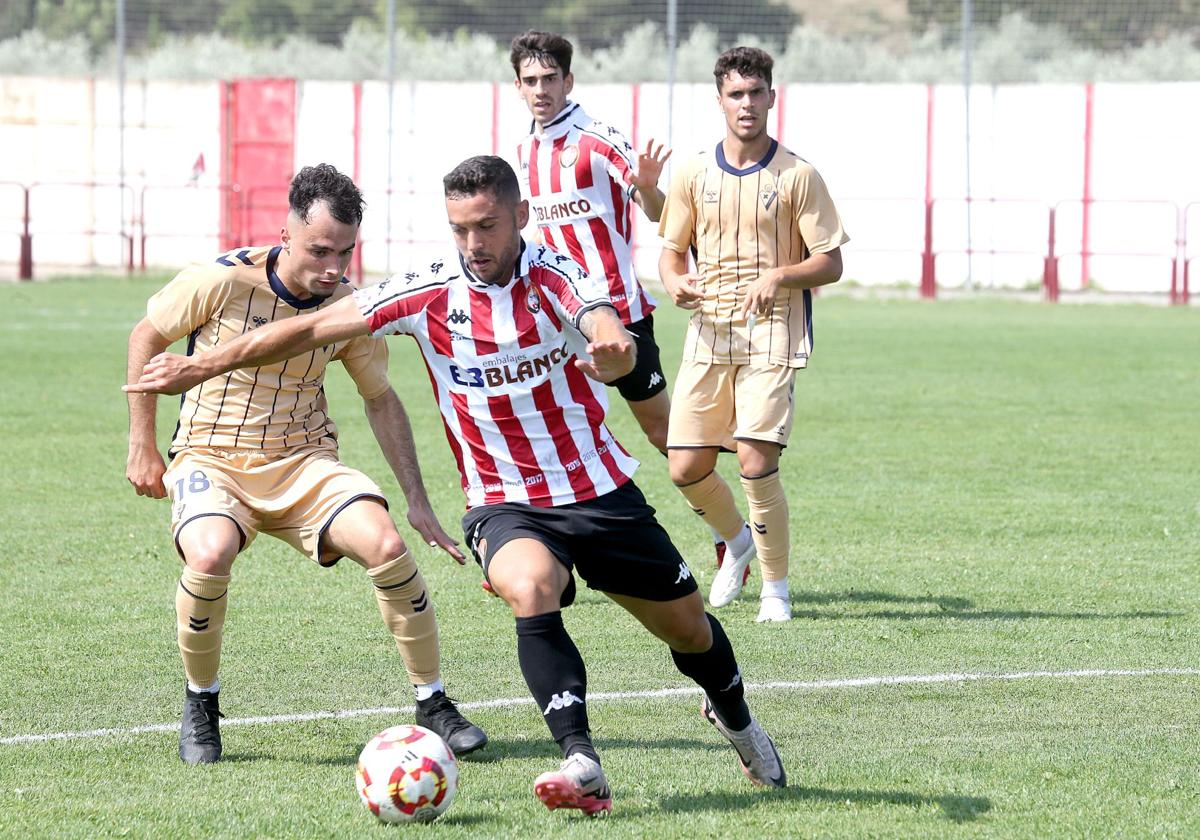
x,y
407,774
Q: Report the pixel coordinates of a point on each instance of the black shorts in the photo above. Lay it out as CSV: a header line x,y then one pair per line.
x,y
646,379
613,541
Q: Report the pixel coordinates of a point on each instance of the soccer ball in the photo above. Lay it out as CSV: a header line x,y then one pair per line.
x,y
407,774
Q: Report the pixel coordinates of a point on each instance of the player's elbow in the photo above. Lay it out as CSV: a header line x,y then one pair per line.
x,y
835,270
146,337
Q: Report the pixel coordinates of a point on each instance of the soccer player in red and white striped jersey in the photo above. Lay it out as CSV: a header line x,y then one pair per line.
x,y
582,178
549,489
542,442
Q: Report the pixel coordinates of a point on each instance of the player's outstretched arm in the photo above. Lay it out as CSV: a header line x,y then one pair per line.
x,y
389,422
649,167
144,465
168,373
678,283
611,346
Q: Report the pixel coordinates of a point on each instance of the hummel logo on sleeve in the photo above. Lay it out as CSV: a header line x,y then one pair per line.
x,y
561,701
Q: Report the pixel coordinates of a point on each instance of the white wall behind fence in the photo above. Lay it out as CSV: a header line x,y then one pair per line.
x,y
59,139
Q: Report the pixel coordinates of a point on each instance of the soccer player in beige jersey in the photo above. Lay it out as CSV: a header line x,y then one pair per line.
x,y
764,232
256,450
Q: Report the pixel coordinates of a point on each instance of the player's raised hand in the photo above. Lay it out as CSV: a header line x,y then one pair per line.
x,y
166,373
610,359
144,468
425,522
683,291
650,165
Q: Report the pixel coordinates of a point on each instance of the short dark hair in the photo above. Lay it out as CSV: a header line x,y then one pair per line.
x,y
749,62
483,173
324,183
546,47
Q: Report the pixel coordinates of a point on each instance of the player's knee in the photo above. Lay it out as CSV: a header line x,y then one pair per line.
x,y
376,548
684,470
757,462
210,557
209,544
388,546
691,634
529,595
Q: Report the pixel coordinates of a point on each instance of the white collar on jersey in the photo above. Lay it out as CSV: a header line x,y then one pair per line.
x,y
561,124
520,270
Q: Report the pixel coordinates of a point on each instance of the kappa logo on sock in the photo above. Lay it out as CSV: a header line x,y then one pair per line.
x,y
684,573
561,701
737,678
197,625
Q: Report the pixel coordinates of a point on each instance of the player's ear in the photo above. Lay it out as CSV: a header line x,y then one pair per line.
x,y
771,99
568,83
285,239
522,214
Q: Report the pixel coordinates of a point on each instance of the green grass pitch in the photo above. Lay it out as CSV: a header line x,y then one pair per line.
x,y
978,487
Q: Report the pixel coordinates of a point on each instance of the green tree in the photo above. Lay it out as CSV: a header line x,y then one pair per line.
x,y
1102,24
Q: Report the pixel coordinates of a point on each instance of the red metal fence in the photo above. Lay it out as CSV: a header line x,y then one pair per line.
x,y
150,213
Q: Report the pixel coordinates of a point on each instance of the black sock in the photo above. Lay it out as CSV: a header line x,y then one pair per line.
x,y
557,679
716,671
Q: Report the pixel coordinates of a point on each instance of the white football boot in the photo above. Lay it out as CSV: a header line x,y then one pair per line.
x,y
731,576
771,608
756,751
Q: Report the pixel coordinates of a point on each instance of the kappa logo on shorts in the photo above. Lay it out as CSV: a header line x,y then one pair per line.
x,y
737,678
561,701
684,573
655,379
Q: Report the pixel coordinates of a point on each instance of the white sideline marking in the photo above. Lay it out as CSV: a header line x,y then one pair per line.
x,y
508,702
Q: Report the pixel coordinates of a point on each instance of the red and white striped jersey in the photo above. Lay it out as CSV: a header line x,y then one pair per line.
x,y
524,423
577,176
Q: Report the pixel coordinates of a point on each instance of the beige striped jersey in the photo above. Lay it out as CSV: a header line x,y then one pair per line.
x,y
738,223
272,407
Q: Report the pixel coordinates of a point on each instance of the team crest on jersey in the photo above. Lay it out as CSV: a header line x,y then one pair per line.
x,y
569,155
533,301
767,196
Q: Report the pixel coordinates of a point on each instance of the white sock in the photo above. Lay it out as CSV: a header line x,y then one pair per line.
x,y
775,589
424,692
717,538
742,541
212,689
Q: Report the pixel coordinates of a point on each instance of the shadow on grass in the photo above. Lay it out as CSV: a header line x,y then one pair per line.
x,y
497,749
947,606
953,807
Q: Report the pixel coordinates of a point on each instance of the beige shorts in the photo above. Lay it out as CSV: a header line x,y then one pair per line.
x,y
292,496
712,402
